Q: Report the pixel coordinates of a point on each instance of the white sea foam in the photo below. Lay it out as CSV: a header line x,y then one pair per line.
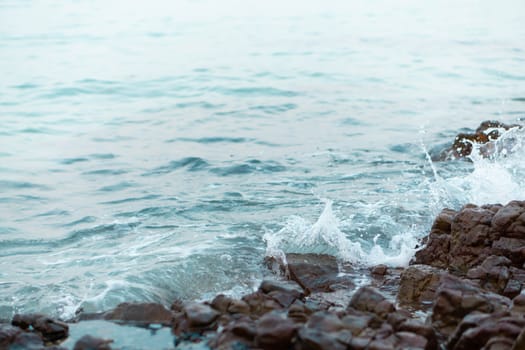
x,y
324,236
498,178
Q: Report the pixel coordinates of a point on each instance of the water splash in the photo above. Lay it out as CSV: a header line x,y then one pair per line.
x,y
324,236
496,176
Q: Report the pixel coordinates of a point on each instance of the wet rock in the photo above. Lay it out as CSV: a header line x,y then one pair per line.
x,y
49,329
299,312
140,313
8,334
325,321
485,135
315,339
479,330
519,344
369,299
357,323
493,273
484,243
421,329
274,331
27,341
418,286
89,342
239,333
261,303
316,272
379,270
200,315
456,298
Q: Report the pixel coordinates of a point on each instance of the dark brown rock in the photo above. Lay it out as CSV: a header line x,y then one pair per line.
x,y
200,316
476,331
369,299
89,342
261,303
485,136
456,298
140,313
315,272
8,334
418,286
380,270
274,331
315,339
49,329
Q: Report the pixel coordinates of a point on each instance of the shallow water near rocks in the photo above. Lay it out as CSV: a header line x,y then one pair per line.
x,y
156,151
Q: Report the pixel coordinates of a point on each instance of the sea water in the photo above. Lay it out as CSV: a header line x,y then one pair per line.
x,y
159,150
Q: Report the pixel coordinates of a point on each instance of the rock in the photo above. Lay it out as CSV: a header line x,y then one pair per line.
x,y
476,233
49,329
357,323
315,272
478,331
418,286
519,344
261,303
287,287
455,298
143,313
8,334
315,339
380,270
299,312
89,342
325,321
421,329
368,299
200,315
239,333
493,273
274,331
485,135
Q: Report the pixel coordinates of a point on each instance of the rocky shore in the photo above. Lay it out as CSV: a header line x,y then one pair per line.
x,y
464,289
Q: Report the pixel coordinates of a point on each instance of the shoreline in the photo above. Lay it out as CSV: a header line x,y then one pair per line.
x,y
463,289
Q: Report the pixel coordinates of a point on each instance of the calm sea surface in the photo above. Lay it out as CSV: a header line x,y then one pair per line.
x,y
153,150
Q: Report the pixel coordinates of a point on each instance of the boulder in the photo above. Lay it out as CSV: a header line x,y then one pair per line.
x,y
140,313
418,286
89,342
316,272
480,330
456,298
274,331
369,299
49,329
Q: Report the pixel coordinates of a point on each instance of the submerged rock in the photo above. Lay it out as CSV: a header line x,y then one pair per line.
x,y
89,342
140,313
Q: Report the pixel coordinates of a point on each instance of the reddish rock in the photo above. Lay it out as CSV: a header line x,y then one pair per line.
x,y
140,313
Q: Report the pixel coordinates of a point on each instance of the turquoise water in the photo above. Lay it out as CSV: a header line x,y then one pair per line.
x,y
159,150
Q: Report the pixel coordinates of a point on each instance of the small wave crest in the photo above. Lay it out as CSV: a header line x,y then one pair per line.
x,y
325,237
